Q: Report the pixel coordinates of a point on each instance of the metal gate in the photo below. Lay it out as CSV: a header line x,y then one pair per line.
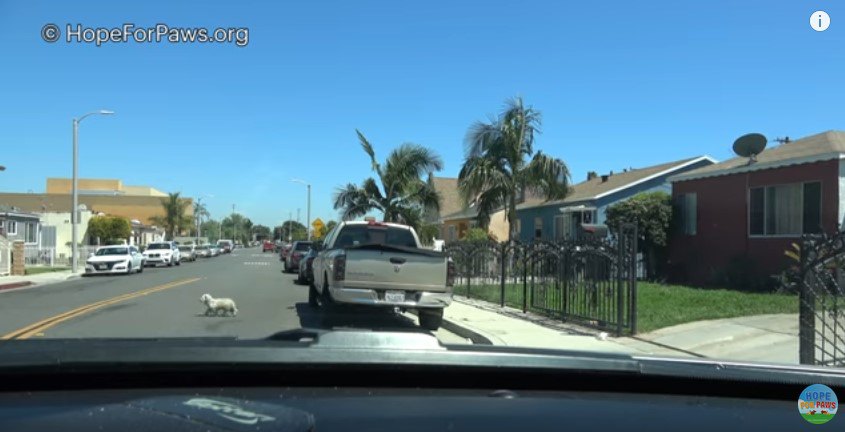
x,y
5,257
819,279
592,282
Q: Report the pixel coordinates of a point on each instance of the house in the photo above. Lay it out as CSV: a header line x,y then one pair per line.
x,y
17,225
450,202
588,200
739,214
456,225
56,231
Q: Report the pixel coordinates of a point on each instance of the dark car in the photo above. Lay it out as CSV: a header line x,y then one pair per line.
x,y
295,254
306,269
268,246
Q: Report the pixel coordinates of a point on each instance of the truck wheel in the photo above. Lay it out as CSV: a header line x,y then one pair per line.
x,y
326,301
313,296
430,319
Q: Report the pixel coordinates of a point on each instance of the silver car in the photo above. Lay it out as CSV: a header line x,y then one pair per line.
x,y
189,252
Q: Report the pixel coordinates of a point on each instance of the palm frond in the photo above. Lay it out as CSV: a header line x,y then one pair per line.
x,y
365,144
547,175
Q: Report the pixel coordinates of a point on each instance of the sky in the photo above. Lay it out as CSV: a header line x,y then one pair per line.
x,y
620,84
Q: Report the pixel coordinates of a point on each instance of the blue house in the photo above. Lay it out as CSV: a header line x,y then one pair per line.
x,y
588,200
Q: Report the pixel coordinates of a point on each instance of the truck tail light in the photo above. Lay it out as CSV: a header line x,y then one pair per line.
x,y
339,267
450,272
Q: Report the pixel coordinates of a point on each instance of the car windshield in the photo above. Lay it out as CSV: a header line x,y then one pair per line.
x,y
352,235
112,251
649,178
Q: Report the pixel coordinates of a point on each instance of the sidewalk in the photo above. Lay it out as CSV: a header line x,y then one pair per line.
x,y
13,282
768,338
487,323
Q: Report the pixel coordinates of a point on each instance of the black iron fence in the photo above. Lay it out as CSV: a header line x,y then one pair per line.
x,y
819,278
591,282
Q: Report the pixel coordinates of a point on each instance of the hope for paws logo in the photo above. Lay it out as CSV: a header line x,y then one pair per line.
x,y
817,404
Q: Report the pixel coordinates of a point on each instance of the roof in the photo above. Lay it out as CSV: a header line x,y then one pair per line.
x,y
450,196
596,188
10,211
814,148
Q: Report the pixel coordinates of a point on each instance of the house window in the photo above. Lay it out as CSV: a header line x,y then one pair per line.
x,y
453,234
31,232
538,227
687,213
11,227
790,209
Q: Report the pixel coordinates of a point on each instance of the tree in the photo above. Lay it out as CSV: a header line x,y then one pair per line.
x,y
652,212
398,193
237,225
211,230
330,226
174,220
109,229
261,232
476,235
496,170
293,229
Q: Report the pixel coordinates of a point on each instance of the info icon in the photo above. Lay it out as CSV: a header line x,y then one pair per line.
x,y
817,404
819,21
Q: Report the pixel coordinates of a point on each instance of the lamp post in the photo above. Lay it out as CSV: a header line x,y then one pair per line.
x,y
308,211
234,228
199,215
74,217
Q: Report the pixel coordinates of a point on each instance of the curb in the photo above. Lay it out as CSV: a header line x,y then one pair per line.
x,y
14,285
476,337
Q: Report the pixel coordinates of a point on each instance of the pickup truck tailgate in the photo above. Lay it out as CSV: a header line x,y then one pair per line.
x,y
395,270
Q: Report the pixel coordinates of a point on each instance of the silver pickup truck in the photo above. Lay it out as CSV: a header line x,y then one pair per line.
x,y
381,265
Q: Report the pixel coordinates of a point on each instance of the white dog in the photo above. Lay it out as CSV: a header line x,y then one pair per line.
x,y
215,306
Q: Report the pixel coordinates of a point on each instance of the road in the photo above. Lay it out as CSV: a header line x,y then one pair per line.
x,y
164,302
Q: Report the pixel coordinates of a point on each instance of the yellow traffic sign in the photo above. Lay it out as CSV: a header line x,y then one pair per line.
x,y
317,224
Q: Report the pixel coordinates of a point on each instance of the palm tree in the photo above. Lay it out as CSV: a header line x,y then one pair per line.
x,y
497,169
399,192
174,219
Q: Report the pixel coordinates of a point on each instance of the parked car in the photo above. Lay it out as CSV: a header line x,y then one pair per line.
x,y
115,259
203,251
214,250
381,264
189,252
283,252
226,246
268,246
306,272
166,253
295,254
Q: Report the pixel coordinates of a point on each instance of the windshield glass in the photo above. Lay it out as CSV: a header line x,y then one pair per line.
x,y
112,251
650,178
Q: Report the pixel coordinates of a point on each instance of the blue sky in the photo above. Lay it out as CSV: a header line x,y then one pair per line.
x,y
620,84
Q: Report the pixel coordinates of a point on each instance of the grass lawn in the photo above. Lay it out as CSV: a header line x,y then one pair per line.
x,y
667,305
39,270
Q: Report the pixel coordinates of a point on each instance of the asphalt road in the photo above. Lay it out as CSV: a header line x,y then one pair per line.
x,y
164,302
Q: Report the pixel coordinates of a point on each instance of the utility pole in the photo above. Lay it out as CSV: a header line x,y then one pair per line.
x,y
234,228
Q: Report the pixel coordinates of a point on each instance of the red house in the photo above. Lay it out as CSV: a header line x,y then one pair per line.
x,y
743,215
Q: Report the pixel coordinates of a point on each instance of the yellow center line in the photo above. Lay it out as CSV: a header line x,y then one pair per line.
x,y
41,326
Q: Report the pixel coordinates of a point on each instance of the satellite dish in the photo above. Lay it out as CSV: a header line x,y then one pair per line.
x,y
750,145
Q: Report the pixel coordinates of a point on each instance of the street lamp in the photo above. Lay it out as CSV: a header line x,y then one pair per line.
x,y
308,211
74,218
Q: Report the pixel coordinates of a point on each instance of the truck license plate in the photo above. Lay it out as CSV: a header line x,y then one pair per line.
x,y
394,296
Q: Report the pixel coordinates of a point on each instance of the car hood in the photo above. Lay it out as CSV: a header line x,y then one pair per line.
x,y
108,258
161,251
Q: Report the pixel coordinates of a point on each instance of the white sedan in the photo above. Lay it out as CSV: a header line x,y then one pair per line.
x,y
115,259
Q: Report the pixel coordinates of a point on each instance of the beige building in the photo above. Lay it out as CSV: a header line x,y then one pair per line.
x,y
109,196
